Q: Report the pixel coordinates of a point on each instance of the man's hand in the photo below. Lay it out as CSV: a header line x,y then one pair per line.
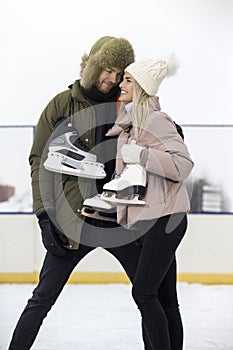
x,y
52,238
131,153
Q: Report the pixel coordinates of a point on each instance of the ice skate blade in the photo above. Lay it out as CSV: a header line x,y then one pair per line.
x,y
87,169
93,213
113,198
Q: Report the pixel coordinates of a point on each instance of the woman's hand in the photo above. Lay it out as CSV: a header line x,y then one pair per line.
x,y
131,153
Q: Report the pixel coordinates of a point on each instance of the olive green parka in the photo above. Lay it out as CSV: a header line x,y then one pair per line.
x,y
61,193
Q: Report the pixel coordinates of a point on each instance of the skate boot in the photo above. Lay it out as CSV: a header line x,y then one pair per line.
x,y
128,187
96,208
68,155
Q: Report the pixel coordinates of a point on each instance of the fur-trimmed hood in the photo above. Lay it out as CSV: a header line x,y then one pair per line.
x,y
106,52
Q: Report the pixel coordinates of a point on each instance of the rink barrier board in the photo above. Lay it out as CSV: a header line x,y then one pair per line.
x,y
116,278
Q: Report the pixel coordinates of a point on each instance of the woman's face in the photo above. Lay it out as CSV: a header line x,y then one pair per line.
x,y
126,87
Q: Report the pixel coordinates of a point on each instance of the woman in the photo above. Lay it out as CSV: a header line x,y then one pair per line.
x,y
162,221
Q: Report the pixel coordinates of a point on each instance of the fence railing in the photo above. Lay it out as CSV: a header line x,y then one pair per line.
x,y
210,184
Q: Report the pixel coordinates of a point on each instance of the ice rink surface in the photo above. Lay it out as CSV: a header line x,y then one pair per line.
x,y
104,317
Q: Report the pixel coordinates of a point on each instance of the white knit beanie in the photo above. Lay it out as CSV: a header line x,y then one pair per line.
x,y
150,72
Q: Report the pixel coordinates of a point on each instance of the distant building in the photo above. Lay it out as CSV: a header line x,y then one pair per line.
x,y
6,192
206,197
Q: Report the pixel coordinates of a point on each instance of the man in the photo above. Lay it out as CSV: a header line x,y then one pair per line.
x,y
88,107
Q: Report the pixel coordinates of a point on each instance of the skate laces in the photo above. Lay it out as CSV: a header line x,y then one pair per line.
x,y
117,176
77,142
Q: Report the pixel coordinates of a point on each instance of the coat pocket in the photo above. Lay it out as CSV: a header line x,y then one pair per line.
x,y
156,190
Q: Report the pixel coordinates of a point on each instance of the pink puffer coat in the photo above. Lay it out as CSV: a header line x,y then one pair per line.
x,y
168,164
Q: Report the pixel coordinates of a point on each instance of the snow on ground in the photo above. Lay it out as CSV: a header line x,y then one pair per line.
x,y
104,317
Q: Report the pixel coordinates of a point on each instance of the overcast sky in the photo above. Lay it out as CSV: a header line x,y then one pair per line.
x,y
42,43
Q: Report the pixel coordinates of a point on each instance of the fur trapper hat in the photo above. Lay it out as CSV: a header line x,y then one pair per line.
x,y
106,52
149,73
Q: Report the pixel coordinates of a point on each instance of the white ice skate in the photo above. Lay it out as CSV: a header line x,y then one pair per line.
x,y
66,156
128,187
99,209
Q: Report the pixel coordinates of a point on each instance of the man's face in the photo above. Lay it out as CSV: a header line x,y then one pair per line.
x,y
109,78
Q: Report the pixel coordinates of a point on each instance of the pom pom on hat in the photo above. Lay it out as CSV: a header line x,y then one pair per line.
x,y
149,73
172,64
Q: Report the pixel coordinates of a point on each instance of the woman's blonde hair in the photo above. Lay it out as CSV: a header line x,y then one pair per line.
x,y
140,109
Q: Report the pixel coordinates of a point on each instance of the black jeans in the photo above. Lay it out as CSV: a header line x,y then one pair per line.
x,y
53,277
154,284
